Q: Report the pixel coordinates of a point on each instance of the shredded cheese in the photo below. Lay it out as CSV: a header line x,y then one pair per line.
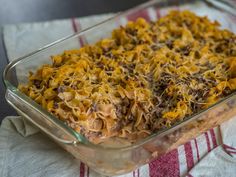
x,y
145,77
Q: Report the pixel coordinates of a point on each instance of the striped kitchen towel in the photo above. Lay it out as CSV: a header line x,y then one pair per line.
x,y
17,154
222,160
26,152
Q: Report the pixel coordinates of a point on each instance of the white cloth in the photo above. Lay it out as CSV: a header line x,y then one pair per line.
x,y
24,152
216,164
222,160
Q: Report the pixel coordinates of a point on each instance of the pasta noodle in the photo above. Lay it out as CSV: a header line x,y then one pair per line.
x,y
146,77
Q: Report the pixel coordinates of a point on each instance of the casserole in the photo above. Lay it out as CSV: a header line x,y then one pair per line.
x,y
119,157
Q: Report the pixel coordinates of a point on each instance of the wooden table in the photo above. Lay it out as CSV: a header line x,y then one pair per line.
x,y
42,10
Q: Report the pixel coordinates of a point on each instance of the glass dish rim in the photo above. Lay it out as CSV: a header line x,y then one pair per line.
x,y
80,139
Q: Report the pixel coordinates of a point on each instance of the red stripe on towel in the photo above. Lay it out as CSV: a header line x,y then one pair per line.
x,y
158,13
87,171
189,155
74,25
208,142
143,13
83,39
76,28
213,136
228,147
196,145
177,7
82,169
230,152
166,165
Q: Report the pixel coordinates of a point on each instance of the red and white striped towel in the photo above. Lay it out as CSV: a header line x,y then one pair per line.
x,y
185,160
181,160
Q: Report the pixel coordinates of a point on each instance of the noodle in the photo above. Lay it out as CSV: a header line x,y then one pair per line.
x,y
145,78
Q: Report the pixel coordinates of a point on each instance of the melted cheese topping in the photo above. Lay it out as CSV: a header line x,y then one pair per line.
x,y
144,78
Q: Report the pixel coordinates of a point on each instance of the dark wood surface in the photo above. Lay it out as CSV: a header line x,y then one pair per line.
x,y
19,11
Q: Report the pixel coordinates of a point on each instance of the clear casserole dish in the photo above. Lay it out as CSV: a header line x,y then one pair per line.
x,y
118,158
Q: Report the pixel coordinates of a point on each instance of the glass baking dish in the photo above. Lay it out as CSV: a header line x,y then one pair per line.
x,y
119,157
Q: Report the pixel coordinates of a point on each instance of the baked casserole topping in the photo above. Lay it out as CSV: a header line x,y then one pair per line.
x,y
146,77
